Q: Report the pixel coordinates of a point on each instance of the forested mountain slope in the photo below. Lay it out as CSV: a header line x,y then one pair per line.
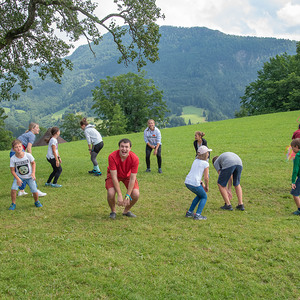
x,y
198,66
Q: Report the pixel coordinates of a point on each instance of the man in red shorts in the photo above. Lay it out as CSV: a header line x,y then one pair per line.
x,y
122,166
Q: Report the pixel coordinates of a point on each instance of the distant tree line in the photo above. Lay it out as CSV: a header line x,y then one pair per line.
x,y
276,89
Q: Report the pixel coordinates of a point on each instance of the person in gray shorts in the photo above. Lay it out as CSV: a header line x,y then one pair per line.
x,y
229,167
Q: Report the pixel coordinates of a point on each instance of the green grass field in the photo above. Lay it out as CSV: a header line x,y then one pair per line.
x,y
70,249
192,113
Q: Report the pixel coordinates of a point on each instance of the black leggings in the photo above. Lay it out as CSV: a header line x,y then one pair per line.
x,y
148,153
96,149
56,171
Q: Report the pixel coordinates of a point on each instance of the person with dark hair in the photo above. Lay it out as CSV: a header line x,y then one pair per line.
x,y
295,144
53,157
152,138
229,167
122,166
296,134
95,143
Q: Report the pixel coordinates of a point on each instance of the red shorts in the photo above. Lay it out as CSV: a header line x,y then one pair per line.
x,y
109,183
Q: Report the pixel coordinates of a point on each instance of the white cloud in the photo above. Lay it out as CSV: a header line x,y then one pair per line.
x,y
290,14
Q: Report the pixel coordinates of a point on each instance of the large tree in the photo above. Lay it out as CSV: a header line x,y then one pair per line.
x,y
5,135
276,89
29,41
135,98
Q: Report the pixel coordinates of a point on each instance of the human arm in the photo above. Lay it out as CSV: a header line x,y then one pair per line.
x,y
206,179
28,149
55,155
33,166
296,168
114,177
13,172
132,179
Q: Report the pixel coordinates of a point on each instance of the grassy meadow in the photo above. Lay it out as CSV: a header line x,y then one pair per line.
x,y
70,249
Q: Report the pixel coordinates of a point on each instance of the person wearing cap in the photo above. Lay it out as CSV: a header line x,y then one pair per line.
x,y
193,182
229,167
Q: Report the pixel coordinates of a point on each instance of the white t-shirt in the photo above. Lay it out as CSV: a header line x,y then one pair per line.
x,y
195,175
22,165
50,154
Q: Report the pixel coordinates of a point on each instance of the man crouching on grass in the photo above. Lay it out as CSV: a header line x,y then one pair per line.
x,y
122,166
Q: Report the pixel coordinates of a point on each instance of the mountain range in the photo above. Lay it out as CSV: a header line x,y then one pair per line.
x,y
198,67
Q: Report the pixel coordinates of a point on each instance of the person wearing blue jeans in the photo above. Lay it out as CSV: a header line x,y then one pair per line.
x,y
193,182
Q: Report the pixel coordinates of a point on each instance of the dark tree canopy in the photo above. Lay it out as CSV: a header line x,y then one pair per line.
x,y
28,40
276,89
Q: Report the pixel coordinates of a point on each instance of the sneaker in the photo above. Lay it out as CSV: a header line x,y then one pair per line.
x,y
199,217
112,215
38,204
92,172
12,206
47,184
22,193
240,207
41,194
159,170
129,214
56,185
297,212
97,173
227,207
148,170
189,214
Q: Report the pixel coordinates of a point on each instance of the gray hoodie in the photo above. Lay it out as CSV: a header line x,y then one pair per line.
x,y
92,135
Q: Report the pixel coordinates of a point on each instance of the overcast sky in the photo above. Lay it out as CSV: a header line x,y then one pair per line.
x,y
263,18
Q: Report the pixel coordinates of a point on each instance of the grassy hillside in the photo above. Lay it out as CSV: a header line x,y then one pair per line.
x,y
71,249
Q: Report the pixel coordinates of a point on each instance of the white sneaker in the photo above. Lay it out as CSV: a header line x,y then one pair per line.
x,y
22,193
41,194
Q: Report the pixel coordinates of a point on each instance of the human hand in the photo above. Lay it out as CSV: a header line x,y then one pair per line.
x,y
127,200
33,176
293,186
19,182
120,201
57,163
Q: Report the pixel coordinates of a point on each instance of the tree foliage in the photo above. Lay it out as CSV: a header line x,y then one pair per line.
x,y
127,101
276,89
70,127
28,40
5,135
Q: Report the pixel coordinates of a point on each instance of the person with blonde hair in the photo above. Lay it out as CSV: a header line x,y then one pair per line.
x,y
152,138
27,139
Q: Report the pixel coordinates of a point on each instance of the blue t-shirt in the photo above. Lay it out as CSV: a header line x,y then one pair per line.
x,y
27,137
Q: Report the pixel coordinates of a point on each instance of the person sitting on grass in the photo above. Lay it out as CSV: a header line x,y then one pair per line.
x,y
295,144
95,143
193,182
22,167
53,158
229,167
122,166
